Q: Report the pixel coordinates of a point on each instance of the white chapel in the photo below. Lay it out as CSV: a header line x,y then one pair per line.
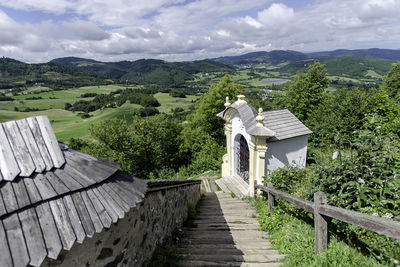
x,y
260,142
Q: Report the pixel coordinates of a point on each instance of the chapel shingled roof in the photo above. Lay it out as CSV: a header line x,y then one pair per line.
x,y
52,196
285,124
277,124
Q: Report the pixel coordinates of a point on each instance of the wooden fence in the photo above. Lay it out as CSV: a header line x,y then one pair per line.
x,y
321,211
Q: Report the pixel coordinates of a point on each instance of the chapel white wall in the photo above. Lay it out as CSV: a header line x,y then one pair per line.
x,y
292,151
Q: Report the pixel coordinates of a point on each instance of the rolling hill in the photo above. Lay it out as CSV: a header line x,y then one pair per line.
x,y
147,71
281,56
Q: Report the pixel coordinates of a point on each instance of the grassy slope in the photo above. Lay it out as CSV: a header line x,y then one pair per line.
x,y
67,124
168,102
295,238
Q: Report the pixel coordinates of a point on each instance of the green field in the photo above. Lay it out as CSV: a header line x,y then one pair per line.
x,y
68,124
168,102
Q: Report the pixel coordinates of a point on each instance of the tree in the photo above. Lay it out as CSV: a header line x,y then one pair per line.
x,y
203,124
391,81
143,147
306,92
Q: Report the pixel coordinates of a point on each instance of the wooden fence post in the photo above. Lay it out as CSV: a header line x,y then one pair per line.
x,y
320,224
271,199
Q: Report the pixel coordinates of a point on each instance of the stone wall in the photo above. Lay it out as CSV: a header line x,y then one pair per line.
x,y
132,240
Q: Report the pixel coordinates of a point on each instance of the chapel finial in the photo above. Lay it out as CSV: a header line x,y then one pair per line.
x,y
240,100
227,104
260,118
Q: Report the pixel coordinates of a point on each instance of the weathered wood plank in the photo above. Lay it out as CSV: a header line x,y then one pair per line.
x,y
302,203
83,214
9,198
376,224
136,197
82,179
320,224
16,241
98,226
136,186
129,198
106,165
116,197
32,190
271,201
5,254
50,141
111,202
49,230
69,181
33,236
74,219
20,150
105,218
2,207
56,182
64,227
20,192
90,168
31,145
110,210
43,185
8,164
37,134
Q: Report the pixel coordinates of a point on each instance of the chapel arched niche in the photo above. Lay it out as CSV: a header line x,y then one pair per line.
x,y
241,157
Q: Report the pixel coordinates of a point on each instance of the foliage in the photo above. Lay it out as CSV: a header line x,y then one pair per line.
x,y
391,82
143,147
177,93
339,115
364,177
294,237
203,124
307,91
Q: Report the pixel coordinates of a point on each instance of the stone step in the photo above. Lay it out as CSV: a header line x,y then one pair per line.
x,y
260,246
229,240
243,258
198,263
231,233
232,213
226,218
223,227
226,251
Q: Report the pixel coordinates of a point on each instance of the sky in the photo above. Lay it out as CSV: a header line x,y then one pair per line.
x,y
179,30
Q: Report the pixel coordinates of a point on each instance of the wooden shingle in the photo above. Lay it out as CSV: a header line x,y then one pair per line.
x,y
52,196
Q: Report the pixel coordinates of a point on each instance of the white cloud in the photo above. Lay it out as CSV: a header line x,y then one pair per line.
x,y
85,30
277,15
184,30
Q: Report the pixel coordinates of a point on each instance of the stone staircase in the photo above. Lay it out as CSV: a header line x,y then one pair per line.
x,y
233,184
225,233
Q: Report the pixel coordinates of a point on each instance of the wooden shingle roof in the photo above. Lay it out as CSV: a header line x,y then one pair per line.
x,y
28,146
285,124
55,206
277,124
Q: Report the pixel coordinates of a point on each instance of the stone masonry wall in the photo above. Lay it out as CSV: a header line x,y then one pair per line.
x,y
132,240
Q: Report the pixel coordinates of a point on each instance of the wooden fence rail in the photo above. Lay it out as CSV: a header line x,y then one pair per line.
x,y
321,211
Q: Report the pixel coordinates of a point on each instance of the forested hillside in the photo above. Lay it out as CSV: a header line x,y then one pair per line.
x,y
148,71
15,74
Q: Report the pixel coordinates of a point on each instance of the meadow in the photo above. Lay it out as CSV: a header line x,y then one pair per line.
x,y
68,124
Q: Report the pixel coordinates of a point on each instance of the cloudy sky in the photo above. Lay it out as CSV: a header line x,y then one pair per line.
x,y
177,30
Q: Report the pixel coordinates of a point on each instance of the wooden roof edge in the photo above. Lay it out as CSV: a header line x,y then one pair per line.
x,y
59,196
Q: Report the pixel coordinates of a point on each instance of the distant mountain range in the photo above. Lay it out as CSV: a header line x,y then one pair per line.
x,y
70,72
147,71
280,56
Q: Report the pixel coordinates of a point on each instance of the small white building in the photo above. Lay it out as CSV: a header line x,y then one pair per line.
x,y
260,142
